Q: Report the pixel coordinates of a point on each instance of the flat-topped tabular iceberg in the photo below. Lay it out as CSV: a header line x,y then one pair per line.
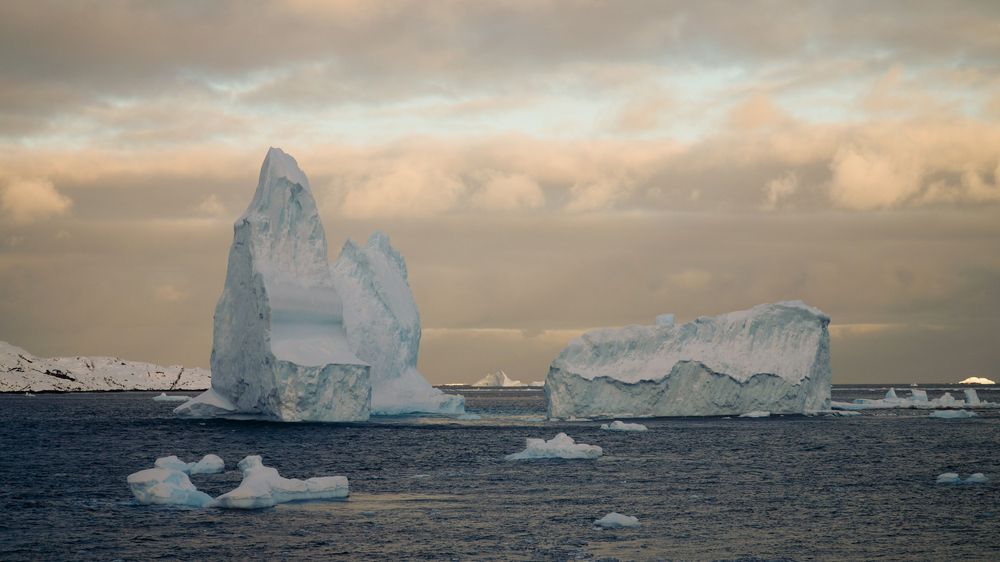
x,y
279,347
773,357
383,328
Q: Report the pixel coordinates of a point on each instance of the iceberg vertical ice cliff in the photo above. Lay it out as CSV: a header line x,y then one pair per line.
x,y
773,357
383,328
279,349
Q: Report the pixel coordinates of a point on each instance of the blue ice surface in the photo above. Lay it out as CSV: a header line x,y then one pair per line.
x,y
437,488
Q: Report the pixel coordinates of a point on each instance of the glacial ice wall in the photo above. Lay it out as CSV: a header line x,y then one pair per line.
x,y
279,349
773,357
383,328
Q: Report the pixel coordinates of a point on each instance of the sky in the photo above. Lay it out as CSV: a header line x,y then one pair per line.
x,y
545,167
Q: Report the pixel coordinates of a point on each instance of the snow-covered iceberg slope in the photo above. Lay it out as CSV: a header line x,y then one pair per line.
x,y
279,348
21,371
383,328
773,357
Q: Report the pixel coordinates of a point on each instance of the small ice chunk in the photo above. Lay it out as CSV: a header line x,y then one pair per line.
x,y
948,478
952,414
171,463
164,397
947,400
615,520
622,426
918,395
469,417
164,486
262,487
561,446
971,397
977,478
891,395
209,464
756,414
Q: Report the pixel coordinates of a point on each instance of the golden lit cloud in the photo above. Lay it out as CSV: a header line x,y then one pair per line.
x,y
28,200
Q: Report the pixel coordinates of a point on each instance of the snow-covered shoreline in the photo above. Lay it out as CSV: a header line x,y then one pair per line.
x,y
21,371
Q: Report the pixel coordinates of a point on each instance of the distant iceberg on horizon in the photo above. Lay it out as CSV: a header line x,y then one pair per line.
x,y
772,357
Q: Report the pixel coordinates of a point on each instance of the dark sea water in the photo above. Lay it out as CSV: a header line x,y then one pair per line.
x,y
803,488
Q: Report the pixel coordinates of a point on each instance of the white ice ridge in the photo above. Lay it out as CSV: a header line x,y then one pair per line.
x,y
615,520
561,446
209,464
279,347
20,371
262,487
773,357
756,414
622,426
918,399
383,328
500,379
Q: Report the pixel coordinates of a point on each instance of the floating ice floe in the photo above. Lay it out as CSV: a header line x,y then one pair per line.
x,y
165,486
209,464
561,446
615,520
469,417
164,397
756,414
773,357
918,399
622,426
262,487
954,478
952,414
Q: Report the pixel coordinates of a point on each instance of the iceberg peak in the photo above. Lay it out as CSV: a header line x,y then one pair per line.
x,y
278,164
279,349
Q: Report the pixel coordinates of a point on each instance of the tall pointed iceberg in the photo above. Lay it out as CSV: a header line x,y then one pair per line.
x,y
279,349
383,328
